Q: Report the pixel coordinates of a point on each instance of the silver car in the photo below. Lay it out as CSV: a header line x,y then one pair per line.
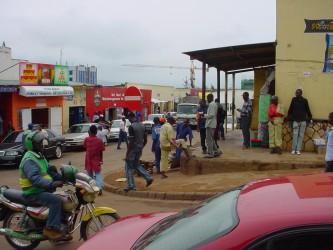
x,y
149,123
115,127
76,134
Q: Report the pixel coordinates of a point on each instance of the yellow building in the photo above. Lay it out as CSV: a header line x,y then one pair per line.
x,y
300,55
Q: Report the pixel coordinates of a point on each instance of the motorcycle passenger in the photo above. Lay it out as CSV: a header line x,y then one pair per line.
x,y
38,180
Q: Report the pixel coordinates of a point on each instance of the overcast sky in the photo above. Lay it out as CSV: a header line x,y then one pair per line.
x,y
110,33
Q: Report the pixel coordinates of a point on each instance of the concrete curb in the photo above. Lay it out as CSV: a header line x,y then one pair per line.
x,y
187,196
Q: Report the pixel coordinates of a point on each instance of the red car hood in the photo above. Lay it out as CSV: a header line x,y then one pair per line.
x,y
123,233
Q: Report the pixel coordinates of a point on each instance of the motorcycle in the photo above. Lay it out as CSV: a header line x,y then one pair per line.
x,y
23,223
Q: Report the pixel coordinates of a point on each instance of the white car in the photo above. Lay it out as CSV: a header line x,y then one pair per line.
x,y
149,123
114,131
76,134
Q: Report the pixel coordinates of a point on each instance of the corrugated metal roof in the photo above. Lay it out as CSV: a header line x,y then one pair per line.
x,y
238,58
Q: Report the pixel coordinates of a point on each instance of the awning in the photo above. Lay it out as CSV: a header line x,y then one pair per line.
x,y
32,91
8,88
153,100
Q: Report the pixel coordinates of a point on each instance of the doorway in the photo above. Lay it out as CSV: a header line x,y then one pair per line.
x,y
76,115
40,116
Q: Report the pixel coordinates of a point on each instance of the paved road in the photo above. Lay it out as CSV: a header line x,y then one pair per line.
x,y
124,205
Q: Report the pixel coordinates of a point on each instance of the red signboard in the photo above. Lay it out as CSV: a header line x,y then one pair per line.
x,y
133,98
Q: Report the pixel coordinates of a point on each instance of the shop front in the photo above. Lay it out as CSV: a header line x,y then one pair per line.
x,y
39,105
39,98
110,102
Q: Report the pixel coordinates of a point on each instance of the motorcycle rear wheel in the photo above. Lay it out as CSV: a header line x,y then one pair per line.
x,y
88,228
11,221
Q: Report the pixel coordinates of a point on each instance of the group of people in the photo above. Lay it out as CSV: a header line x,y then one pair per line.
x,y
299,115
163,142
210,121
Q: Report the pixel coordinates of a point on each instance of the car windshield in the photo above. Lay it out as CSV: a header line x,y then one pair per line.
x,y
13,137
151,117
195,226
187,109
78,129
115,124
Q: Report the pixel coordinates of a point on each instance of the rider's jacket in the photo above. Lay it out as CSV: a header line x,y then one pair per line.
x,y
26,185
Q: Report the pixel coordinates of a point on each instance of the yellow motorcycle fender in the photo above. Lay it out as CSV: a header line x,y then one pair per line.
x,y
98,211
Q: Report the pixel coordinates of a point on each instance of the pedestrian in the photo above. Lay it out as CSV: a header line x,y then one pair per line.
x,y
183,131
275,120
246,117
26,132
10,128
169,142
101,135
94,156
137,115
87,118
299,114
220,116
100,116
96,117
201,122
137,140
210,128
155,148
329,145
45,142
122,132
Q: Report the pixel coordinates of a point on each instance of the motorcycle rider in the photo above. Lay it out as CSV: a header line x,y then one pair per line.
x,y
38,180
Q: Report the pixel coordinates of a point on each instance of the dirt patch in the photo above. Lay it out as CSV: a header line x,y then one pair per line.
x,y
217,182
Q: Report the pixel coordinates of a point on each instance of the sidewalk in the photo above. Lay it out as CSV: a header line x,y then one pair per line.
x,y
201,178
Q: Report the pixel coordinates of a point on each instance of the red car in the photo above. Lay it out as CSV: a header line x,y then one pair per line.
x,y
285,212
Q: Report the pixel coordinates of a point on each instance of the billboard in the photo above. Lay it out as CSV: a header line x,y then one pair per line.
x,y
328,65
34,74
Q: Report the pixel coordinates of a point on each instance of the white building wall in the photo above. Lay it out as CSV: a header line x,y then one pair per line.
x,y
9,67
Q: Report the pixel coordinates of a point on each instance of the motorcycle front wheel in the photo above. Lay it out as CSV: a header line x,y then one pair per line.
x,y
11,221
89,228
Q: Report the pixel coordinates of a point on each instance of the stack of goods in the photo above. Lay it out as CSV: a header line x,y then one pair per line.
x,y
265,144
255,143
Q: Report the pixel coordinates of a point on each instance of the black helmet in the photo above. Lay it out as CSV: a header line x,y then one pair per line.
x,y
34,141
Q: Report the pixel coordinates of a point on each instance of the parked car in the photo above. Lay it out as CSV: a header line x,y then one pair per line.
x,y
11,148
283,212
76,134
115,127
149,122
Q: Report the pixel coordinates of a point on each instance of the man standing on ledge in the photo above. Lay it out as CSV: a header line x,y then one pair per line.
x,y
201,121
210,127
329,147
275,117
246,117
299,113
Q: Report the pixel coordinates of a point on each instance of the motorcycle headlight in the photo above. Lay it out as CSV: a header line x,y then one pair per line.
x,y
89,197
12,153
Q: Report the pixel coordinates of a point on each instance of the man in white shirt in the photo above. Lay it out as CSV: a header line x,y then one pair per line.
x,y
122,133
329,146
211,124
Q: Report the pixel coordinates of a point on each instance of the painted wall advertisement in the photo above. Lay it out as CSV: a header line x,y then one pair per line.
x,y
328,65
34,74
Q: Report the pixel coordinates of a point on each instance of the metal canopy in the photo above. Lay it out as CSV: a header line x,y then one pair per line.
x,y
236,59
